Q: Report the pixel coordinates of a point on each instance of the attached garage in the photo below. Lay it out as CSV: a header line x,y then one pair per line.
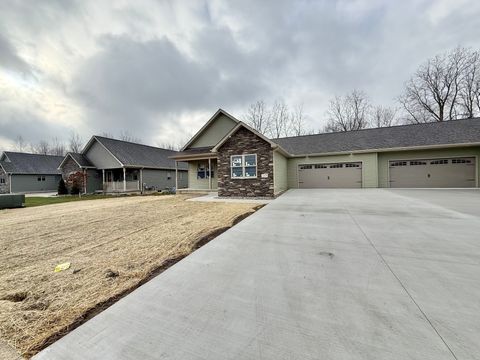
x,y
459,172
334,175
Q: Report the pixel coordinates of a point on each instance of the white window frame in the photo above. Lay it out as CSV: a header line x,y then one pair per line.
x,y
243,177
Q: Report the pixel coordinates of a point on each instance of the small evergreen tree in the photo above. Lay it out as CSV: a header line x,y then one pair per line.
x,y
75,190
62,188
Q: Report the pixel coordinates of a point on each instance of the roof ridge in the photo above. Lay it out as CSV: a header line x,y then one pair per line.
x,y
378,128
133,143
26,153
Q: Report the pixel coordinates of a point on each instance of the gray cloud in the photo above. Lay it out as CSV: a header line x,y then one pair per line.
x,y
10,60
142,68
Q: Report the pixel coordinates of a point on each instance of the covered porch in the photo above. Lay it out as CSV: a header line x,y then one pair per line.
x,y
202,172
122,180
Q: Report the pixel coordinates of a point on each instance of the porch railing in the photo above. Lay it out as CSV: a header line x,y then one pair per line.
x,y
117,186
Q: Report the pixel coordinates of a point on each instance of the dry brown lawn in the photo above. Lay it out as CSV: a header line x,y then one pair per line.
x,y
133,238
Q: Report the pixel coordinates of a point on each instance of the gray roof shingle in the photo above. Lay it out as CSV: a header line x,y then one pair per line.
x,y
81,160
429,134
139,155
36,164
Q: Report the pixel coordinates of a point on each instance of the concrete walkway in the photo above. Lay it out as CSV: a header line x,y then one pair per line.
x,y
316,274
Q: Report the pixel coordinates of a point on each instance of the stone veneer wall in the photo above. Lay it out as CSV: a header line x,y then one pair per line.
x,y
245,142
4,188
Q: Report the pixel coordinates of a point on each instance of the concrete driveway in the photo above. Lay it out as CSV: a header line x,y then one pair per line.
x,y
316,274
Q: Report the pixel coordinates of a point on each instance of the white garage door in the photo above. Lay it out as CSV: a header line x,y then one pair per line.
x,y
335,175
433,173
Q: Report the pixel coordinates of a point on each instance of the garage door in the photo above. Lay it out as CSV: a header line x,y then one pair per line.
x,y
336,175
433,173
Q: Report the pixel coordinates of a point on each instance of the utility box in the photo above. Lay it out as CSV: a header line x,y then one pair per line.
x,y
8,201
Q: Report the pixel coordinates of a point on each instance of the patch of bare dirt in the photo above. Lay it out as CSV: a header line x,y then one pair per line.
x,y
113,245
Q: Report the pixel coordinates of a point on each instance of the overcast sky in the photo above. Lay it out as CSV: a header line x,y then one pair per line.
x,y
160,69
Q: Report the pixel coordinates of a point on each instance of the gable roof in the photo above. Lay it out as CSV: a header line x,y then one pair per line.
x,y
212,119
35,164
131,154
453,133
80,159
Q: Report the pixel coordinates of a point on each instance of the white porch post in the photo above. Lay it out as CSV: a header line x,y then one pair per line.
x,y
10,183
141,180
209,174
124,180
103,180
84,181
176,175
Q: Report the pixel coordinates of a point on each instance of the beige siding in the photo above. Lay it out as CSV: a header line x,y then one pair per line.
x,y
369,167
280,166
201,184
102,159
384,158
220,127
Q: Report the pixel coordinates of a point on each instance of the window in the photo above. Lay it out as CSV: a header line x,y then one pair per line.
x,y
244,166
202,171
39,178
336,166
418,163
350,165
2,180
43,178
169,175
135,177
398,163
461,161
320,166
304,167
439,162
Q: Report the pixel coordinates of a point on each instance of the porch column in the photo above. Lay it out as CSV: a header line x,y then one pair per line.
x,y
209,174
103,180
84,181
10,182
141,180
176,175
124,180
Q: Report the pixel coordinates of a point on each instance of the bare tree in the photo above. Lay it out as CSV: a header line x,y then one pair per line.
x,y
297,120
349,112
127,136
432,93
42,147
258,118
280,120
469,93
75,143
20,144
383,116
57,147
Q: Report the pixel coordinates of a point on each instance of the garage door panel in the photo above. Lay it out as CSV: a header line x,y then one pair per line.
x,y
433,173
334,175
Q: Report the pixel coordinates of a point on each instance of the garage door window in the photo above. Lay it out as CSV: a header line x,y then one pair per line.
x,y
398,163
461,161
243,166
306,167
418,163
439,162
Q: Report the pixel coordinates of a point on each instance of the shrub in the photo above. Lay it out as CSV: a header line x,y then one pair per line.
x,y
62,188
75,190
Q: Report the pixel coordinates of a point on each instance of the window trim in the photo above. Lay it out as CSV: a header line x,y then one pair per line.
x,y
243,177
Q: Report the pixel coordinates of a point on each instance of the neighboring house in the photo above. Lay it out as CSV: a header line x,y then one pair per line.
x,y
112,165
24,173
228,156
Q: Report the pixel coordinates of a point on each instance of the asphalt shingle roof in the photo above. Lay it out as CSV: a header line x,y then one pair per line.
x,y
438,133
23,163
81,160
138,155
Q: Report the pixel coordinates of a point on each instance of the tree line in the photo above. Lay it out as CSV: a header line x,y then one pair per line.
x,y
445,87
58,147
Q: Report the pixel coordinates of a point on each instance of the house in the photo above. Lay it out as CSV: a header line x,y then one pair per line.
x,y
112,165
23,173
228,156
